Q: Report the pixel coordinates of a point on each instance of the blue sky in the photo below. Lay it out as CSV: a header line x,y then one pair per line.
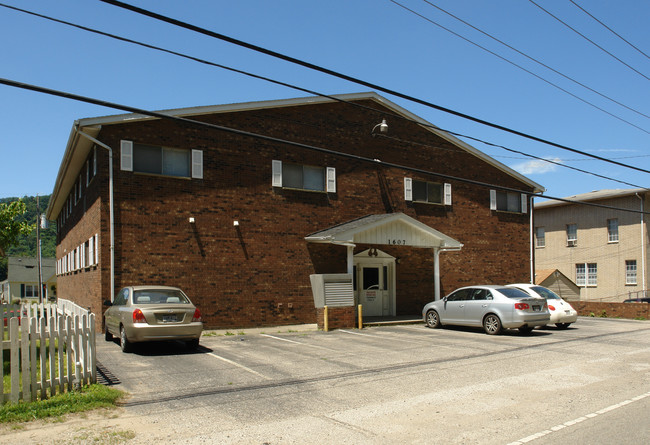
x,y
377,41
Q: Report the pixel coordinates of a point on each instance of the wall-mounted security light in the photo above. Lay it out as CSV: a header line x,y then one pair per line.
x,y
235,223
383,128
192,221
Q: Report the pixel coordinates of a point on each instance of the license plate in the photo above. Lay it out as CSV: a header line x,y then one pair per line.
x,y
170,318
537,308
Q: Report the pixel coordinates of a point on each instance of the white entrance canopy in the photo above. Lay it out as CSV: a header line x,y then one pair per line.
x,y
391,229
395,229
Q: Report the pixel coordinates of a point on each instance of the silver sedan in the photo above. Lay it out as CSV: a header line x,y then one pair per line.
x,y
152,313
493,307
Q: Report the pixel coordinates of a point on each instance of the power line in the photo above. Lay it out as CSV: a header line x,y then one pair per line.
x,y
609,29
520,67
532,59
334,98
267,138
355,80
590,41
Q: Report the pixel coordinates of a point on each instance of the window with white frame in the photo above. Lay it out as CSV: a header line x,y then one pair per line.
x,y
91,166
303,177
429,192
612,230
30,291
540,237
587,274
592,274
504,201
571,235
630,271
157,160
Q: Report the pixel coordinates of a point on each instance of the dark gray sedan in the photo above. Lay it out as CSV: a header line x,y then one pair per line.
x,y
152,313
492,307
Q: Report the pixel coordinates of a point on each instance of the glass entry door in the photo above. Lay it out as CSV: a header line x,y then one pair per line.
x,y
373,289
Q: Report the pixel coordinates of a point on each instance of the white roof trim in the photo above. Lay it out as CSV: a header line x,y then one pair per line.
x,y
310,100
385,229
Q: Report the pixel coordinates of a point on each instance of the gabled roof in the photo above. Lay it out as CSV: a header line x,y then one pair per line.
x,y
25,269
387,229
78,147
595,195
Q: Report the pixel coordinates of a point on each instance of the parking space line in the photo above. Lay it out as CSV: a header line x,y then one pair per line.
x,y
280,338
570,423
357,333
239,366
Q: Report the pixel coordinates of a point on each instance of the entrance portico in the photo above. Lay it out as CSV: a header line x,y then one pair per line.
x,y
374,270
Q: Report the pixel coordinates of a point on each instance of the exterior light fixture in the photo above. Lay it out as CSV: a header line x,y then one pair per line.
x,y
383,128
235,223
192,220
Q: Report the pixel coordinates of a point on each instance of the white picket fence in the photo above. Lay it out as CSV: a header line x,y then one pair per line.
x,y
51,349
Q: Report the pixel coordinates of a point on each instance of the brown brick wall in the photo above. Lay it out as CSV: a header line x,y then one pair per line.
x,y
613,310
337,317
258,274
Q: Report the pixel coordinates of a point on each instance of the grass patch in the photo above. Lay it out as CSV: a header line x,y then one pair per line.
x,y
88,398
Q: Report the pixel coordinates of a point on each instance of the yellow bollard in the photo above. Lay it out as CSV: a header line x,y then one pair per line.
x,y
360,317
325,321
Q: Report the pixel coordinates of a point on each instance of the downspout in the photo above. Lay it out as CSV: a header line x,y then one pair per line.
x,y
532,240
110,204
642,243
436,267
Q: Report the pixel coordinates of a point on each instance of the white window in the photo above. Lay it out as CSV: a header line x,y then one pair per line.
x,y
303,177
630,271
91,251
592,274
167,161
612,230
540,237
91,166
430,192
587,274
505,201
572,235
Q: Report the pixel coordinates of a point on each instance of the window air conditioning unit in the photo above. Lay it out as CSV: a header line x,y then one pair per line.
x,y
572,243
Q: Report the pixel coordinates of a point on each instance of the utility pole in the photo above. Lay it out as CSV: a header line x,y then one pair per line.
x,y
38,251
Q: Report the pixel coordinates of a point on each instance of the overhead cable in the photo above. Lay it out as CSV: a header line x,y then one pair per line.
x,y
334,98
609,29
377,162
559,73
590,41
358,81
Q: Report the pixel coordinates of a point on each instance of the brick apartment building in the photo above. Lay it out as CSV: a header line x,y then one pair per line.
x,y
240,223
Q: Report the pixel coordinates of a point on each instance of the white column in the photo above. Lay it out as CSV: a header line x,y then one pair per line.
x,y
436,272
350,259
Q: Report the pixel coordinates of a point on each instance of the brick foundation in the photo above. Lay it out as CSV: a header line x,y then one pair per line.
x,y
338,317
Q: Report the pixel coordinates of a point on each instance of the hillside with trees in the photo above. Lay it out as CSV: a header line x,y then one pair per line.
x,y
26,245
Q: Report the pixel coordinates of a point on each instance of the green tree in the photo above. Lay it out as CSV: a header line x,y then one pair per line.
x,y
11,228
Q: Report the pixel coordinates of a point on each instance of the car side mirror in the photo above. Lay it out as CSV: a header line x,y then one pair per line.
x,y
107,303
444,299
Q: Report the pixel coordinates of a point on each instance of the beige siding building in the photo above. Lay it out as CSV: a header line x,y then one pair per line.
x,y
604,251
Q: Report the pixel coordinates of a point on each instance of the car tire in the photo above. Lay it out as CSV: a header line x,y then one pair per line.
x,y
108,336
433,319
125,344
526,330
192,344
492,324
562,325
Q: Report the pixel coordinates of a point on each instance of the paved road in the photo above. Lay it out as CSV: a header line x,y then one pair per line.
x,y
392,384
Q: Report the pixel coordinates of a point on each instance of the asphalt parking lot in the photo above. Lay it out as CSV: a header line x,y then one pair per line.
x,y
385,384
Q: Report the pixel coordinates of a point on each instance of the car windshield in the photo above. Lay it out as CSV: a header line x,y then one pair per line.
x,y
546,293
159,296
511,292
